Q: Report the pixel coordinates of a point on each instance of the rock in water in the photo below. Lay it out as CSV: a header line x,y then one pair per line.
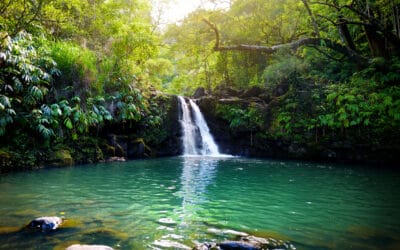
x,y
46,223
170,245
88,247
231,245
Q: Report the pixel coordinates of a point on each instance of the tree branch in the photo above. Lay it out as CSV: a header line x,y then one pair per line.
x,y
313,21
215,29
292,45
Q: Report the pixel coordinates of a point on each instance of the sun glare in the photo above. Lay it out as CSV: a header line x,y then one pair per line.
x,y
174,11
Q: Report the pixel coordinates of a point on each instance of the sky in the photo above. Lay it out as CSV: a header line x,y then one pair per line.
x,y
174,11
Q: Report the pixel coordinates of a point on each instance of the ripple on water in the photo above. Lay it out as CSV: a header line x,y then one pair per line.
x,y
167,221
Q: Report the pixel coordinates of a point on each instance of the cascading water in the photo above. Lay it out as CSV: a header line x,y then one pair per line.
x,y
188,129
196,139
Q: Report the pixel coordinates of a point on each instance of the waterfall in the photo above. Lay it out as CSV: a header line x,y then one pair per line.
x,y
196,138
188,129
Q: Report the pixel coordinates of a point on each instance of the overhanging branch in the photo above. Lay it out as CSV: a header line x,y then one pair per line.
x,y
314,41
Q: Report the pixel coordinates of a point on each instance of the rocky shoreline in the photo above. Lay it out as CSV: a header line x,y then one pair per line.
x,y
51,225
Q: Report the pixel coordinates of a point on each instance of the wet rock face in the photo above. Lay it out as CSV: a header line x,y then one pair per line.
x,y
171,145
45,224
126,147
119,143
139,142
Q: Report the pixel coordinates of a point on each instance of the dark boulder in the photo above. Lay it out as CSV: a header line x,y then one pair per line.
x,y
200,92
254,91
329,154
225,91
296,150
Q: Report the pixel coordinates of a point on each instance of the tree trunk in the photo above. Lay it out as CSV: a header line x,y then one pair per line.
x,y
345,33
377,44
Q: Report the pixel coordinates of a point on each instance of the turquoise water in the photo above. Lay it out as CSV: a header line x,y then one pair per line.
x,y
138,204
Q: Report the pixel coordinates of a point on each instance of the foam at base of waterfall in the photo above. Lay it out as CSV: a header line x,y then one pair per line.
x,y
210,156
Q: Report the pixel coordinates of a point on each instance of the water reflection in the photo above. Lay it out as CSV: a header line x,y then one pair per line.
x,y
197,174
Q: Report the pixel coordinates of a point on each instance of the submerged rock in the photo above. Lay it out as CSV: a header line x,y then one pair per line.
x,y
88,247
46,223
9,230
170,244
248,242
226,231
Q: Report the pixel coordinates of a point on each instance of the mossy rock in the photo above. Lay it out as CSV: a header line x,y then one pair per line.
x,y
61,157
72,223
109,150
137,148
6,159
4,153
9,230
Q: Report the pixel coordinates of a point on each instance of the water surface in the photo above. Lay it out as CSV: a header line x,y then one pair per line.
x,y
138,204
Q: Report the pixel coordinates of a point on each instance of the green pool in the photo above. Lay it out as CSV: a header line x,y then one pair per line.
x,y
140,204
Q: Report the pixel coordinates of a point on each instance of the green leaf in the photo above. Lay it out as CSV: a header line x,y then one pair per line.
x,y
45,132
36,93
68,123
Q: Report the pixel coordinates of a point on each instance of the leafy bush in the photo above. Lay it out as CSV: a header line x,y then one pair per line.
x,y
78,69
248,118
370,99
284,68
25,78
